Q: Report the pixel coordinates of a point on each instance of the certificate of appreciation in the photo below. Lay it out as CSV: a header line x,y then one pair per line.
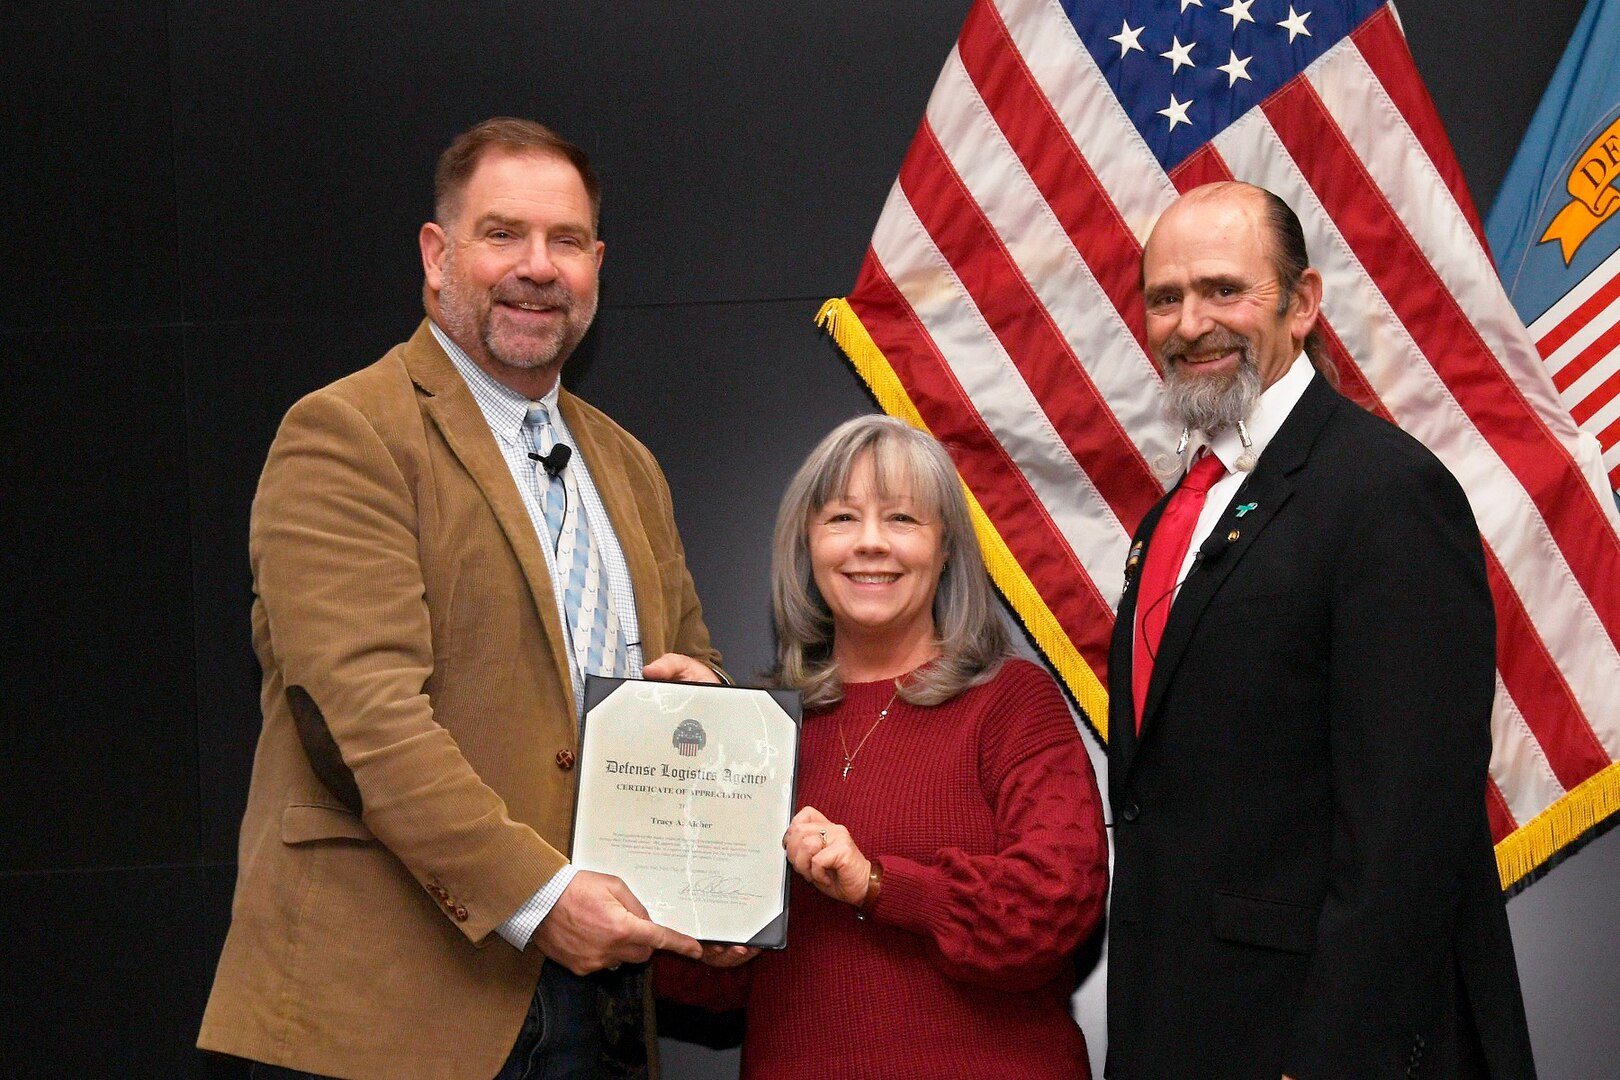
x,y
685,790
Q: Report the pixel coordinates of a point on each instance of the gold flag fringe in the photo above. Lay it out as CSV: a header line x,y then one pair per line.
x,y
1524,852
840,321
1582,809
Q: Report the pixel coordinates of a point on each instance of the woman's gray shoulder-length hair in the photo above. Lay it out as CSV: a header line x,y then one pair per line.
x,y
972,638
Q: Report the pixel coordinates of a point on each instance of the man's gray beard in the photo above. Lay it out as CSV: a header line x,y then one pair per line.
x,y
1210,404
460,321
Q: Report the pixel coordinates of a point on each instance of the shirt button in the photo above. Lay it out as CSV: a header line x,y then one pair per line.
x,y
565,760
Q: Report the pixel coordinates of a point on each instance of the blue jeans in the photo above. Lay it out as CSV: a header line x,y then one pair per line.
x,y
563,1034
561,1037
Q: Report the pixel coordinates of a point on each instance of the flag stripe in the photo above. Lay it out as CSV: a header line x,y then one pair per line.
x,y
1529,673
1066,183
1414,189
1023,327
1575,346
1094,296
1583,316
1520,773
1204,166
940,403
1600,396
1598,350
1496,813
1449,342
1384,46
1352,379
998,418
1610,435
981,411
1082,99
1601,405
1071,316
1408,389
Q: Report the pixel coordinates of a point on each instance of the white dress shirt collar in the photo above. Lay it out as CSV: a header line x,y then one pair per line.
x,y
503,407
1276,402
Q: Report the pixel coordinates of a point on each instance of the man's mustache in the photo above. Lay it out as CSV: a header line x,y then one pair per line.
x,y
553,296
1176,347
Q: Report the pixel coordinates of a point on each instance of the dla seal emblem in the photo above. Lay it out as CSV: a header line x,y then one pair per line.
x,y
689,738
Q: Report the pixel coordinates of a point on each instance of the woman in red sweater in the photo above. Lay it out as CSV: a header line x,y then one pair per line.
x,y
949,849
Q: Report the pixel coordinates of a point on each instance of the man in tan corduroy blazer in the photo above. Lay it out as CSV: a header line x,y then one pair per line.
x,y
413,785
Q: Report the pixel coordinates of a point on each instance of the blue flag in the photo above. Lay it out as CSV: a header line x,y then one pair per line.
x,y
1555,229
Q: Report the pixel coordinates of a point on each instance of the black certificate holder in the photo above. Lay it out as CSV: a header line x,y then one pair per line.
x,y
598,688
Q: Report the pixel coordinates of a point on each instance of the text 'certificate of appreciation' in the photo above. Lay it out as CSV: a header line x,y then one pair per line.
x,y
685,790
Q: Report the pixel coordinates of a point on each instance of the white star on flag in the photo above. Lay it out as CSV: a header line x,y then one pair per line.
x,y
1236,69
1180,55
1176,112
1239,10
1185,4
1295,24
1127,37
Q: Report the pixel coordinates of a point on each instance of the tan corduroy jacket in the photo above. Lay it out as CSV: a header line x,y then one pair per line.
x,y
413,782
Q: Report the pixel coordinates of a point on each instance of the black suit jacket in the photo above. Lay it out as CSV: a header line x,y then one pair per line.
x,y
1304,880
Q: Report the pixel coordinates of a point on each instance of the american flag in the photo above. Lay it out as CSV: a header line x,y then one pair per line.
x,y
1555,229
1580,338
999,307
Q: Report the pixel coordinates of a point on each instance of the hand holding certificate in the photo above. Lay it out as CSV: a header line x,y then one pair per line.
x,y
684,792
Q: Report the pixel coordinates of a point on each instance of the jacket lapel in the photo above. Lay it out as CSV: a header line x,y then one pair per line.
x,y
450,407
1268,488
1121,734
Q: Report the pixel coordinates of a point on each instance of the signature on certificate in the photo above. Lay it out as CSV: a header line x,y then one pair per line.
x,y
715,887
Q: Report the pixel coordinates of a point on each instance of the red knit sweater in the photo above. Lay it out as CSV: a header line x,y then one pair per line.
x,y
985,817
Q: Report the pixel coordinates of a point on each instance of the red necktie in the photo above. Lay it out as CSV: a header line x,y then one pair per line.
x,y
1164,557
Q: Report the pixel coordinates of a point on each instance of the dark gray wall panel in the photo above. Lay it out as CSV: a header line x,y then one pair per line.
x,y
241,379
99,765
295,126
1486,67
1566,930
117,966
87,232
746,148
730,398
239,187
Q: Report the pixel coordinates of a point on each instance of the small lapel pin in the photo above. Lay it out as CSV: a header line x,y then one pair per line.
x,y
1246,507
1134,560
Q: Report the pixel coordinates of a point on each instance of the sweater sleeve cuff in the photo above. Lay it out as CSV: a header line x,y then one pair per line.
x,y
910,899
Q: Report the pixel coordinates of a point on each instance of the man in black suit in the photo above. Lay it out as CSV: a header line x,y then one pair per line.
x,y
1300,709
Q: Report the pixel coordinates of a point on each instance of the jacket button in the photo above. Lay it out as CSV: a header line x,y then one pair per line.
x,y
1131,811
461,913
565,760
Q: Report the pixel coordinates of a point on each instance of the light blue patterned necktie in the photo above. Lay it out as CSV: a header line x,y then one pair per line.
x,y
593,625
554,496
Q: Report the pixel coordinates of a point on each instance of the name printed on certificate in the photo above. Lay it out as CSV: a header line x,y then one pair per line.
x,y
685,790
